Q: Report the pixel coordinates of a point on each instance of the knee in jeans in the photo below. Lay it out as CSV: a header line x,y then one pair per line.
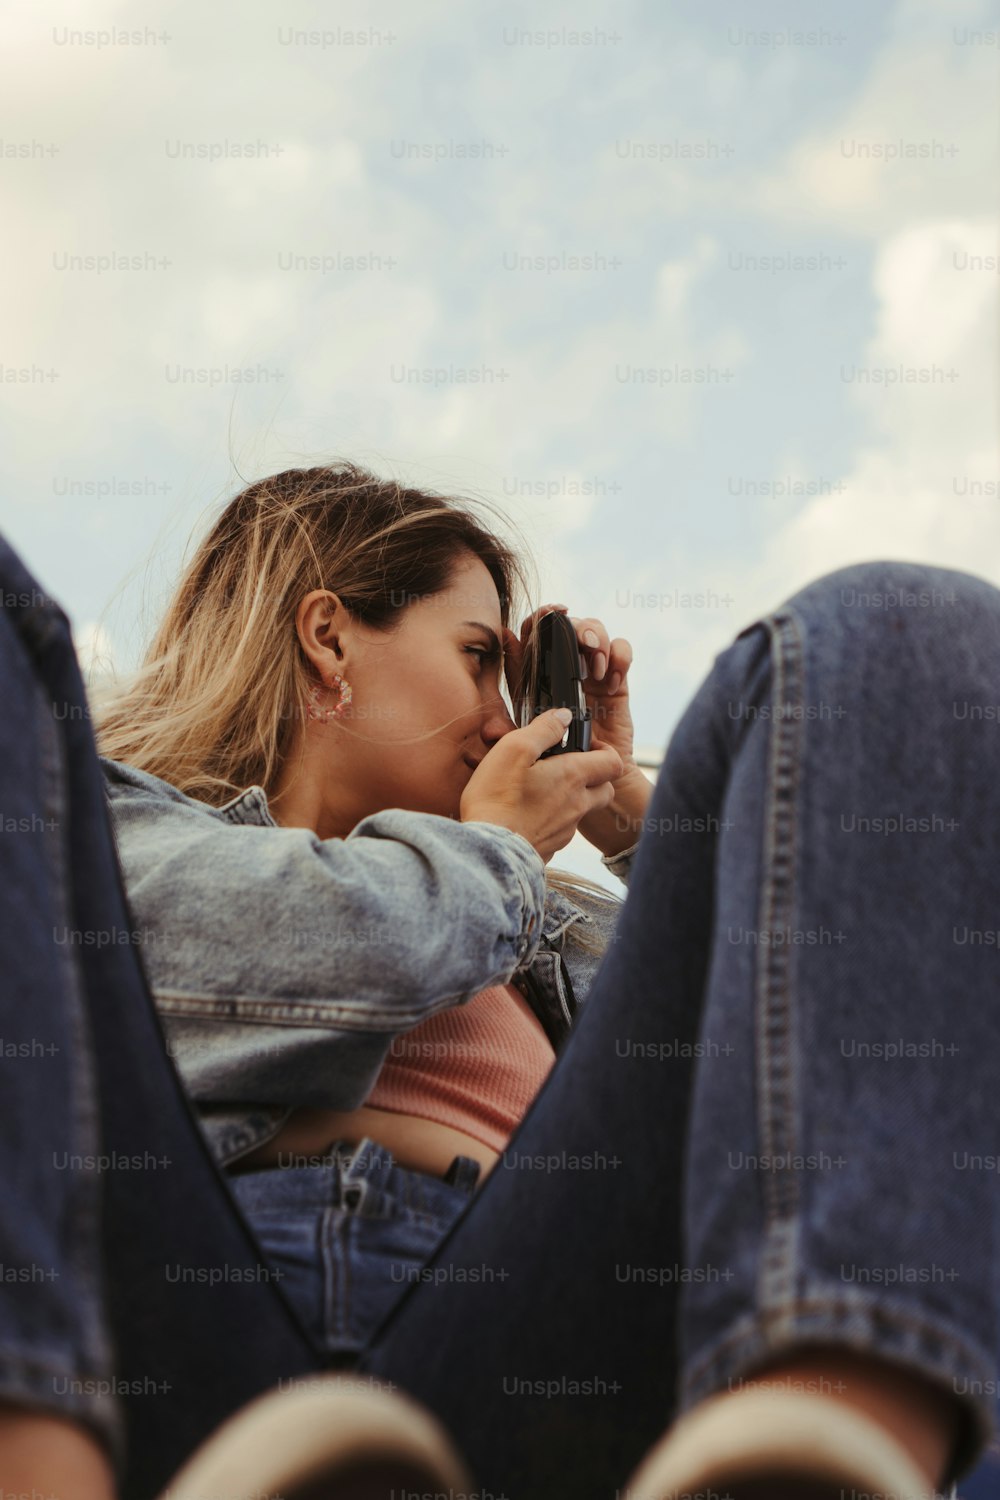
x,y
886,585
924,629
916,608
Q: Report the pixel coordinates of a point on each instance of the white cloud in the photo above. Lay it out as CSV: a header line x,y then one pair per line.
x,y
561,418
677,278
918,137
912,492
924,485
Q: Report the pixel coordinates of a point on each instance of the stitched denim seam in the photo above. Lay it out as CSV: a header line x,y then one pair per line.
x,y
312,1014
81,1248
333,1261
867,1302
775,1007
944,1352
422,1217
410,1191
31,1381
14,1361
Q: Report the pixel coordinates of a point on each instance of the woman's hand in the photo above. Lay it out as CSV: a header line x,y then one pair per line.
x,y
606,692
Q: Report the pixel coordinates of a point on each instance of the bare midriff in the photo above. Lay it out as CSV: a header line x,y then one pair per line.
x,y
422,1145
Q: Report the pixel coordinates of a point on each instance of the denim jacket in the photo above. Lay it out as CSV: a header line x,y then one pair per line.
x,y
283,964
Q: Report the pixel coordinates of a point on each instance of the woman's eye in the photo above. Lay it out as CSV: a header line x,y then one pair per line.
x,y
482,653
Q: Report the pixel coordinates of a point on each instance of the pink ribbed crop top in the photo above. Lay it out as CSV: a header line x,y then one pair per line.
x,y
475,1066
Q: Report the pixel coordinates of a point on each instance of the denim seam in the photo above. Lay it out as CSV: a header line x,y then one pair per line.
x,y
892,1331
31,1382
398,1192
82,1248
231,1142
15,1360
775,1012
331,1228
313,1014
865,1303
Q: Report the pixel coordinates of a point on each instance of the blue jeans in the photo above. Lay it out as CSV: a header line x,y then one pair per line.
x,y
349,1233
772,1124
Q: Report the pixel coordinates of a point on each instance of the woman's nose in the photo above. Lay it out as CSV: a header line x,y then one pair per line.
x,y
497,723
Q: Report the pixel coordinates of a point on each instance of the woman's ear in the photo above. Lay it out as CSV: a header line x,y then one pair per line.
x,y
318,623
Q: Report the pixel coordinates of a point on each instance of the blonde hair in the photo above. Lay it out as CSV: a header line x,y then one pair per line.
x,y
213,705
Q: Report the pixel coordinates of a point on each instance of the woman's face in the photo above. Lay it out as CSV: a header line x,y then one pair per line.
x,y
437,676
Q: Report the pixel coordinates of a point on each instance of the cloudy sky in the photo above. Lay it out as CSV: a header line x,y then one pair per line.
x,y
646,275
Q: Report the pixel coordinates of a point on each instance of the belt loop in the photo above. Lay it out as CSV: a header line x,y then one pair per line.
x,y
363,1169
340,1162
463,1172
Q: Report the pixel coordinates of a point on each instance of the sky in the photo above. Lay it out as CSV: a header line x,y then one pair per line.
x,y
646,276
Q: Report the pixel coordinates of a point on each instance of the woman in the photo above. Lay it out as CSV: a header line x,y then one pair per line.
x,y
249,813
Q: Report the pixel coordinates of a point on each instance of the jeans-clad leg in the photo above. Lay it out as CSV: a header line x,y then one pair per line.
x,y
559,1271
775,1120
142,1307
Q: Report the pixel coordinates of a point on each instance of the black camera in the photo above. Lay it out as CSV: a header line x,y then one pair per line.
x,y
552,676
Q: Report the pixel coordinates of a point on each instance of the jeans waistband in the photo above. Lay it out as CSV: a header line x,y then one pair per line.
x,y
367,1159
349,1171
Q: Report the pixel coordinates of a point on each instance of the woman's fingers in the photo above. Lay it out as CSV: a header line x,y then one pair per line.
x,y
606,660
605,657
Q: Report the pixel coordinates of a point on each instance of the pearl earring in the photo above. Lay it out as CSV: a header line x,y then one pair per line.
x,y
315,709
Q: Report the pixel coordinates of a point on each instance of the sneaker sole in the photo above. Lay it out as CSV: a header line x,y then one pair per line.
x,y
762,1445
323,1441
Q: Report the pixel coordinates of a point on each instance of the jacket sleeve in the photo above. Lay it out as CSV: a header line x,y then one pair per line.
x,y
621,864
410,913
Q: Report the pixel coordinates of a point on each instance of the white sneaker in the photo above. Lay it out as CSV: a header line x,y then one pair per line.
x,y
776,1445
328,1439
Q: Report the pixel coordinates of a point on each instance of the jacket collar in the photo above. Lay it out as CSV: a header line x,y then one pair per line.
x,y
249,807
